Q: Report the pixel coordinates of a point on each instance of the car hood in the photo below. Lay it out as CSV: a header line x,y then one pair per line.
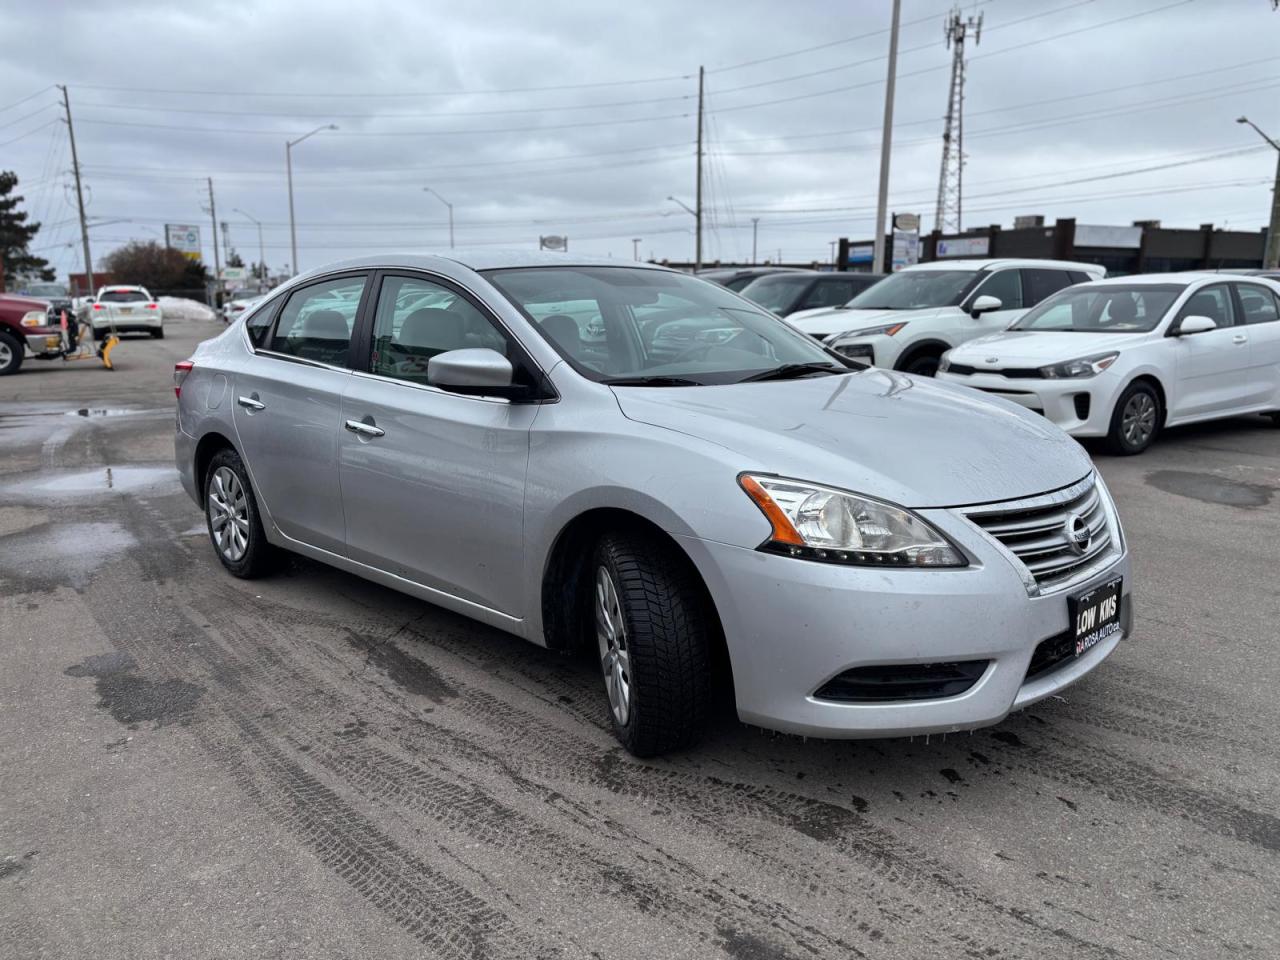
x,y
821,323
909,440
1033,348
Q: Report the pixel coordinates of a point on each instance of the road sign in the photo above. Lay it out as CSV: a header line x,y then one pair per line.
x,y
907,222
553,243
184,238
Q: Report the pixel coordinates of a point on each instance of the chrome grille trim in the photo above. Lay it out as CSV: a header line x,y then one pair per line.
x,y
1034,532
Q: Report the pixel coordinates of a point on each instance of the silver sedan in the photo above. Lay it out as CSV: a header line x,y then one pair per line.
x,y
636,461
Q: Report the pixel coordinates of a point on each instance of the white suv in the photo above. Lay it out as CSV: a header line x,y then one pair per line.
x,y
908,320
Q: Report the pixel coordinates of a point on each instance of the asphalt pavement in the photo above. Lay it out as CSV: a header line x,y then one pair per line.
x,y
314,766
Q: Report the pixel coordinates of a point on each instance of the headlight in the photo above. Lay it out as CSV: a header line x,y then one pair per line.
x,y
821,523
1078,369
35,318
888,330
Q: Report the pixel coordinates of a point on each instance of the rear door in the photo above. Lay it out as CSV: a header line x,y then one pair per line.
x,y
1259,308
1039,283
287,404
828,292
1212,367
437,497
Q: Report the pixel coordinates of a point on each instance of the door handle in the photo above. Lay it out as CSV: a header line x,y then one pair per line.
x,y
1239,338
364,429
251,403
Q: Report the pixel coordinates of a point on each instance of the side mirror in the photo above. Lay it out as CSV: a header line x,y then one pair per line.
x,y
985,304
1194,324
475,371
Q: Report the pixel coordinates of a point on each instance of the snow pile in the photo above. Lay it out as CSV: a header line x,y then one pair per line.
x,y
180,308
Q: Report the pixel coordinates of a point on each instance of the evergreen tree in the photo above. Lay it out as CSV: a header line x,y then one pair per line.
x,y
15,235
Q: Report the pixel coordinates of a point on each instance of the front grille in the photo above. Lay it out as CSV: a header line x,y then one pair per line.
x,y
902,681
1012,373
1037,531
1051,654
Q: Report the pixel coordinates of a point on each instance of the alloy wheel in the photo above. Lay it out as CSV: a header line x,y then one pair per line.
x,y
615,657
6,353
1138,422
228,514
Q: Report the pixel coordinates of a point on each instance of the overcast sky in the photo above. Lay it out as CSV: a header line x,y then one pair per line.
x,y
578,118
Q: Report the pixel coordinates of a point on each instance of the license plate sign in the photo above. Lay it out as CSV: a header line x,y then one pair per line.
x,y
1095,615
126,309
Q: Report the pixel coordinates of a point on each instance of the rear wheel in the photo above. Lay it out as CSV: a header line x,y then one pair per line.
x,y
232,516
1135,422
652,637
11,353
157,334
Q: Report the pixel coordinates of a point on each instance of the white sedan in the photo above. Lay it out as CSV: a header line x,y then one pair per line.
x,y
1125,357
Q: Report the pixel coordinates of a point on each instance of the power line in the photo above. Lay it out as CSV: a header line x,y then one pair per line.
x,y
18,103
29,133
34,113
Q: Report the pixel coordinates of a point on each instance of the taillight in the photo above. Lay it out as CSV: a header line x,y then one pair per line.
x,y
152,306
180,371
97,306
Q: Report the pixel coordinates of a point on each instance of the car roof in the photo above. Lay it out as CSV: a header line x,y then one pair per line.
x,y
993,263
123,287
1184,277
482,259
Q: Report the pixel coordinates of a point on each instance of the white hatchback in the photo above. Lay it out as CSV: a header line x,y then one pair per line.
x,y
1124,357
908,320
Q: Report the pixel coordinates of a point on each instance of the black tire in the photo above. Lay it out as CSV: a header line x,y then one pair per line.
x,y
258,555
157,334
922,364
1275,419
99,333
12,355
1136,420
665,618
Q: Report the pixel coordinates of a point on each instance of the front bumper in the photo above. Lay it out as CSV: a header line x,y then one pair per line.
x,y
1081,407
44,341
791,625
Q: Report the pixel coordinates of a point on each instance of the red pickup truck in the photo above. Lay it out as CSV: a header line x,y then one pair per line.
x,y
25,324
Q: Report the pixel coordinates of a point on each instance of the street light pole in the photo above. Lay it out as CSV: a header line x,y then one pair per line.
x,y
886,140
288,163
755,228
1271,258
262,250
635,247
447,204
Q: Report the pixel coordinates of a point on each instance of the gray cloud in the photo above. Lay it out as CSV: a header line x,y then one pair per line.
x,y
594,163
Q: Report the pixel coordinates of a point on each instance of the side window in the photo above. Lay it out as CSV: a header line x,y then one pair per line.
x,y
418,319
1213,302
829,293
1005,286
316,322
258,323
1038,284
1257,303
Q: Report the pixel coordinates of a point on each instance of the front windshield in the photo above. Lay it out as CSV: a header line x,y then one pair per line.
x,y
775,293
46,290
915,290
1103,308
624,324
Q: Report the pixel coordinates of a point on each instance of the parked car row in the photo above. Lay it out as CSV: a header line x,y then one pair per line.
x,y
627,457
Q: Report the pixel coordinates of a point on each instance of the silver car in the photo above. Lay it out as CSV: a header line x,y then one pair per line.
x,y
641,462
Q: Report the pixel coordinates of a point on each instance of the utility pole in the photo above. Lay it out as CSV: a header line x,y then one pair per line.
x,y
755,230
886,142
697,202
635,247
951,178
75,167
262,250
447,204
1271,258
217,264
288,165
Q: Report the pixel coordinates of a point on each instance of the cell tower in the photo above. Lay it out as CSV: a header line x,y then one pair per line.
x,y
951,179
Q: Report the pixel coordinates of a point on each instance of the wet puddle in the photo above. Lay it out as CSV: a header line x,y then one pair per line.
x,y
54,555
65,483
1209,488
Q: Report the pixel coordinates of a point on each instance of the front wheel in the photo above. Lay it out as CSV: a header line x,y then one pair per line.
x,y
1135,421
231,512
924,365
11,353
651,626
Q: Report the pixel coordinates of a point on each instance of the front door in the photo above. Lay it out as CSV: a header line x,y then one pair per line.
x,y
1213,367
437,495
1005,286
287,401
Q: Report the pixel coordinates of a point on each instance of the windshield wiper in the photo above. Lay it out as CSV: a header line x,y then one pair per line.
x,y
790,370
654,381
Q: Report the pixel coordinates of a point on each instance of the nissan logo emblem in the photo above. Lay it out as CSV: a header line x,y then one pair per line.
x,y
1078,535
993,360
